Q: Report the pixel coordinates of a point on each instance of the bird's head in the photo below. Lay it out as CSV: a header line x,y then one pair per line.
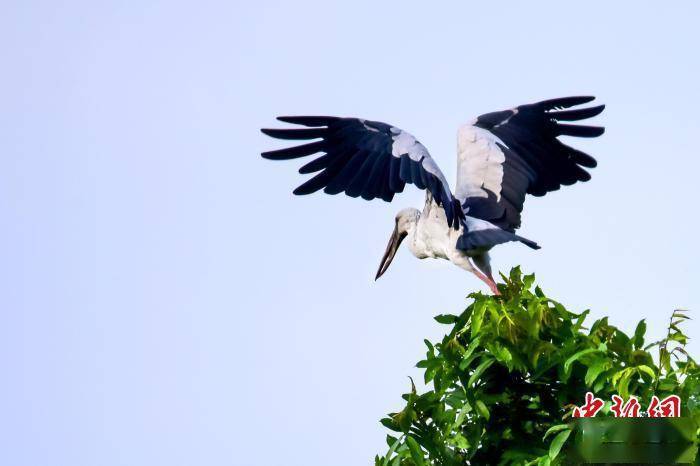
x,y
404,224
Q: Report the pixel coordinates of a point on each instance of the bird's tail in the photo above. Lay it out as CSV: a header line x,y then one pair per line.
x,y
527,242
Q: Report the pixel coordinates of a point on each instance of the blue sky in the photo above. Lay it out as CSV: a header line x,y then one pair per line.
x,y
166,300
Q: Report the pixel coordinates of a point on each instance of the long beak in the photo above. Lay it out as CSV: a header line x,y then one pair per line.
x,y
392,247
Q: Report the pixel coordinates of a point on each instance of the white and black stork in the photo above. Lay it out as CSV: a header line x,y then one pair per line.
x,y
501,157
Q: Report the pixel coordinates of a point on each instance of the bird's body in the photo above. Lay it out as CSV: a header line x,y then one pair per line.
x,y
501,157
432,237
429,236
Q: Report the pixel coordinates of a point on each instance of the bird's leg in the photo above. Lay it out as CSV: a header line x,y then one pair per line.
x,y
482,263
488,281
462,260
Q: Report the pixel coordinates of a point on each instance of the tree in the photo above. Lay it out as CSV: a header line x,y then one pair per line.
x,y
507,374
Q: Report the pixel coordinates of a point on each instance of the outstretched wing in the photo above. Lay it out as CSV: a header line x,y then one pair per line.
x,y
505,155
363,158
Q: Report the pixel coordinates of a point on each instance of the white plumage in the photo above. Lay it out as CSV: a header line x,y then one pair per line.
x,y
479,163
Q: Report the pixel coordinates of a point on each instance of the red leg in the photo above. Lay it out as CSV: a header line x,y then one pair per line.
x,y
488,280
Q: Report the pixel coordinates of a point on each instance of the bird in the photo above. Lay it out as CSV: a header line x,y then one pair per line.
x,y
501,157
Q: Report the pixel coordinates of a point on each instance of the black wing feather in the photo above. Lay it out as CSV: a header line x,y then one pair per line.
x,y
536,162
362,158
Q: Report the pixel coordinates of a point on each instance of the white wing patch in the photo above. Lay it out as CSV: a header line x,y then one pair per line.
x,y
477,224
404,143
479,163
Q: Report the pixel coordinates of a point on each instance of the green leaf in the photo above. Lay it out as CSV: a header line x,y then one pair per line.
x,y
390,424
528,280
466,362
578,356
485,364
679,337
623,385
595,370
639,334
647,370
599,385
431,370
580,319
446,319
478,317
454,347
413,386
482,409
664,360
555,429
515,274
557,443
460,441
391,451
404,418
618,375
502,354
466,409
416,452
470,349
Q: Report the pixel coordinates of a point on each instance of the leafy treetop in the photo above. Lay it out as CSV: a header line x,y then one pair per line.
x,y
506,376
